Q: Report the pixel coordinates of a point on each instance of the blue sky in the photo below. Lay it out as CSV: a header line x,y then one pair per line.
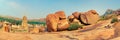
x,y
40,8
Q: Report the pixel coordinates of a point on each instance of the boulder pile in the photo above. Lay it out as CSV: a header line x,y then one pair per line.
x,y
57,21
90,17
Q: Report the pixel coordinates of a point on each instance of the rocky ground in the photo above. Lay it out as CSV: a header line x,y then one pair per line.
x,y
91,32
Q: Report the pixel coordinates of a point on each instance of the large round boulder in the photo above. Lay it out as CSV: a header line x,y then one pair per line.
x,y
52,21
57,21
89,17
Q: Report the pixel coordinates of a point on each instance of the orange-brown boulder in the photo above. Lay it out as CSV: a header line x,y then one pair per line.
x,y
60,14
52,21
71,18
57,21
89,17
63,25
76,14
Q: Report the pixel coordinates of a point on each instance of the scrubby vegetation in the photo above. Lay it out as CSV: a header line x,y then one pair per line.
x,y
74,26
37,22
114,20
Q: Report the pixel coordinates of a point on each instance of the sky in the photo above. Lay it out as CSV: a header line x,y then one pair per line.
x,y
41,8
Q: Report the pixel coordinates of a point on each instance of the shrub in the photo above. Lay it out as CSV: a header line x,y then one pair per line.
x,y
114,20
74,26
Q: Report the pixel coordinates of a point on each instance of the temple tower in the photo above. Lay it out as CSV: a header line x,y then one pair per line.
x,y
24,23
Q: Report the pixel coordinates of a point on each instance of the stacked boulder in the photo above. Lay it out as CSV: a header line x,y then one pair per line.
x,y
74,18
57,21
90,17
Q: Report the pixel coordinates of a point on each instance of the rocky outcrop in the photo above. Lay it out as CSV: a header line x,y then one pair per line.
x,y
89,17
57,21
51,22
76,15
117,28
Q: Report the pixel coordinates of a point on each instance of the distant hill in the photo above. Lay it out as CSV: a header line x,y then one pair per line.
x,y
110,11
110,14
18,21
